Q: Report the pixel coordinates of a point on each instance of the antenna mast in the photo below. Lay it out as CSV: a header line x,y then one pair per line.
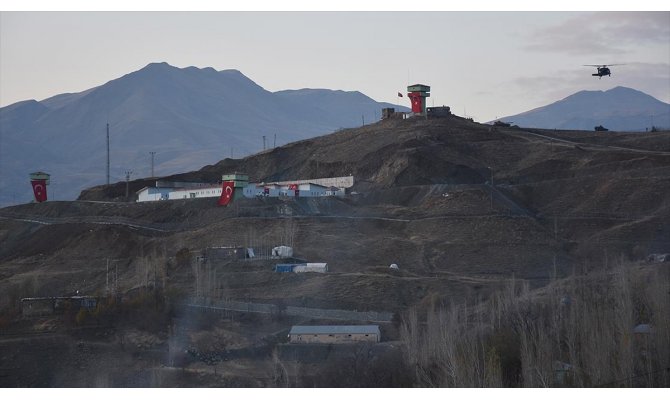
x,y
108,154
153,153
128,173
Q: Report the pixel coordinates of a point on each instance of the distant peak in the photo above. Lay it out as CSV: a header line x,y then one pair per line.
x,y
158,65
624,89
231,71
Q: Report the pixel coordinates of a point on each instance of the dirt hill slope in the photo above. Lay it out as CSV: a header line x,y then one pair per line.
x,y
458,205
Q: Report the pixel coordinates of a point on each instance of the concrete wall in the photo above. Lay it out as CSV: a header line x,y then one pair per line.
x,y
316,313
31,308
334,338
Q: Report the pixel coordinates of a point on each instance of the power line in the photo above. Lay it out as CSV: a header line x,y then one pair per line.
x,y
666,369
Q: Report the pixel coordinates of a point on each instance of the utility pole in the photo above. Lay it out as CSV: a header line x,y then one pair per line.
x,y
108,154
153,153
363,118
263,142
275,143
128,173
492,186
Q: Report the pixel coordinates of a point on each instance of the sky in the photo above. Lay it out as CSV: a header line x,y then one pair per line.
x,y
483,64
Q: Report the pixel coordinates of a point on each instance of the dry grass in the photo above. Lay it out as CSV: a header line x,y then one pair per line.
x,y
577,332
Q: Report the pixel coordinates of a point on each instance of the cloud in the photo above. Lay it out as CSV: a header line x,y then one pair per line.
x,y
603,33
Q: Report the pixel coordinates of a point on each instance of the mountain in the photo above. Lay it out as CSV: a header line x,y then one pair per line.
x,y
617,109
189,116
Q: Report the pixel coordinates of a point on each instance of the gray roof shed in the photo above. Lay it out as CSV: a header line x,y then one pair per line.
x,y
334,329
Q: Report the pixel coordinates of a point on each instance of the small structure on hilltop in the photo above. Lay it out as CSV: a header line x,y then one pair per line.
x,y
438,112
334,334
502,124
388,113
600,128
391,113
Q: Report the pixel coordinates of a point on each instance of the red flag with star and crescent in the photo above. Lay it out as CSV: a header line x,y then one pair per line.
x,y
226,193
40,190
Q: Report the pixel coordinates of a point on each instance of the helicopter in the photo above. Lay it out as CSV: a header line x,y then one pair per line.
x,y
602,69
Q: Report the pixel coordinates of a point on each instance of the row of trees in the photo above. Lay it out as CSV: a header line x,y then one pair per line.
x,y
610,330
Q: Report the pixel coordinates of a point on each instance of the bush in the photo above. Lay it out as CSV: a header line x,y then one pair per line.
x,y
577,332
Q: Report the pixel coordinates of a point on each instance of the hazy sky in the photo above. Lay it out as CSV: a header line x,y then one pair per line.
x,y
484,64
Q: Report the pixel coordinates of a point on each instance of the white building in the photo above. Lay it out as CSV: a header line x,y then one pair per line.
x,y
290,190
171,193
334,333
165,190
153,193
311,267
195,193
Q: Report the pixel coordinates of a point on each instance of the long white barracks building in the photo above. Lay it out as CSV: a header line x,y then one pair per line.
x,y
301,188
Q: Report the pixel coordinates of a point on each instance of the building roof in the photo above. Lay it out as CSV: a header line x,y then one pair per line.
x,y
328,329
195,189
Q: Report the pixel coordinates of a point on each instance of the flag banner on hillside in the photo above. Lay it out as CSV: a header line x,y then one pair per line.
x,y
40,190
294,186
399,94
227,193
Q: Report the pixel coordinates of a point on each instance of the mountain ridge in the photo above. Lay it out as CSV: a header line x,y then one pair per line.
x,y
189,116
619,109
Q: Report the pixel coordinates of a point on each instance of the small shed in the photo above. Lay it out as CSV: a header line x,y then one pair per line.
x,y
334,333
34,306
438,112
311,267
284,267
225,253
282,251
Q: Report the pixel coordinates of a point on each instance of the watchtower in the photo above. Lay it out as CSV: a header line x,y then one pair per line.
x,y
417,94
240,181
39,180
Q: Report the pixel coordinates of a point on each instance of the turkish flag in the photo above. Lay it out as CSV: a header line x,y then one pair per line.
x,y
40,190
227,193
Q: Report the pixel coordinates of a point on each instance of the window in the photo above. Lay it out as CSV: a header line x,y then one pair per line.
x,y
192,195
